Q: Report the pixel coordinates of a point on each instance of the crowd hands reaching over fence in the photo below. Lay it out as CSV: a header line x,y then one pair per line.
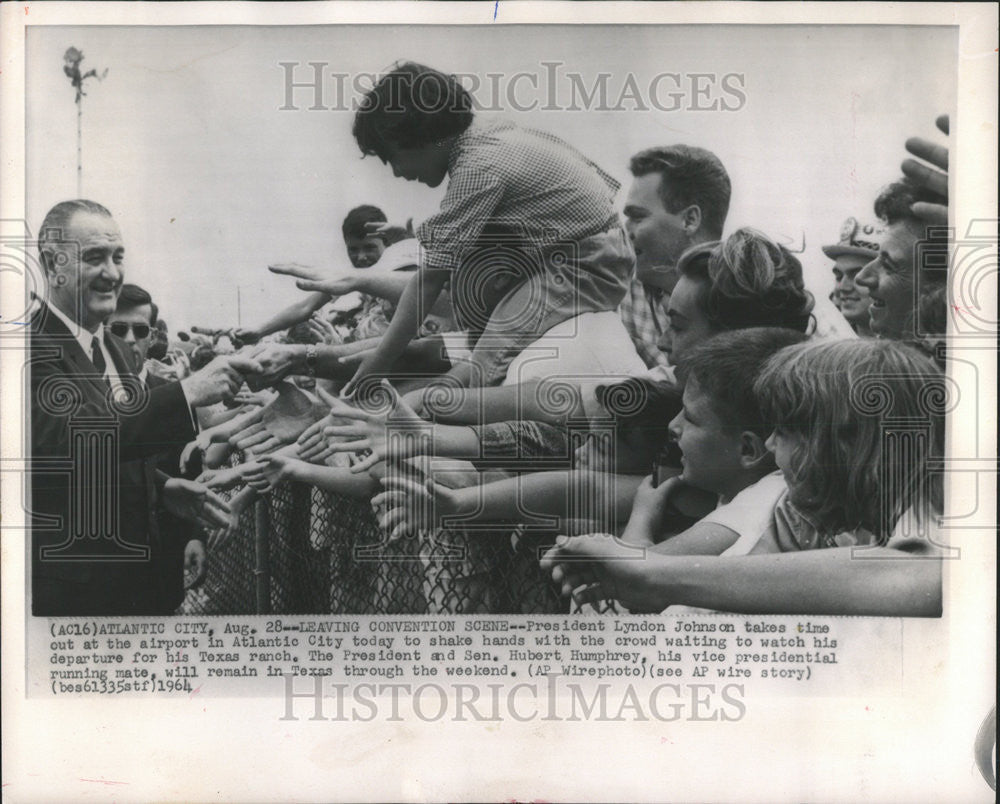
x,y
643,415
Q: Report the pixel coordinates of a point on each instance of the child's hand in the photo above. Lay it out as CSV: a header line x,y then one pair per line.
x,y
221,479
323,330
271,471
649,509
371,431
411,505
600,567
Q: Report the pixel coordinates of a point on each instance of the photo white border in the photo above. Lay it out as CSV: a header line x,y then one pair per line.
x,y
916,747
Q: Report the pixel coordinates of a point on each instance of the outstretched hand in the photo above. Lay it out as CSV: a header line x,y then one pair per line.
x,y
927,176
600,567
411,505
196,503
374,431
309,278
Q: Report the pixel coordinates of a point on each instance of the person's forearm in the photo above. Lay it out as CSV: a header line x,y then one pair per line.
x,y
293,314
836,581
336,479
549,494
388,285
452,441
524,401
419,296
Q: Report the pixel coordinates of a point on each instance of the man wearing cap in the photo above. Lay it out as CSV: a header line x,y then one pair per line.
x,y
858,245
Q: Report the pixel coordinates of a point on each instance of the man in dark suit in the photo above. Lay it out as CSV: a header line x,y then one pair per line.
x,y
134,321
96,430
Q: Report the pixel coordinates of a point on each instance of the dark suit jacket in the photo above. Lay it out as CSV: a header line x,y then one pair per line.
x,y
96,545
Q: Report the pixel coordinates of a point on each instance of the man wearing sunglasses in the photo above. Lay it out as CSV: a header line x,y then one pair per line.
x,y
133,321
97,433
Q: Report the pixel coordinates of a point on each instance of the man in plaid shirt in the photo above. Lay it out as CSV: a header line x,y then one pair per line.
x,y
527,234
679,197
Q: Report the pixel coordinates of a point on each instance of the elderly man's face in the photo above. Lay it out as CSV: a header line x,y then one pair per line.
x,y
134,325
890,281
86,272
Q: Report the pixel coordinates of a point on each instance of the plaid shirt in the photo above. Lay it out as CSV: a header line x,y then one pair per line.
x,y
531,181
643,312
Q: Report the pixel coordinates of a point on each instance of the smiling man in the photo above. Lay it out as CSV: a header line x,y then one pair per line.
x,y
858,246
908,288
679,197
95,429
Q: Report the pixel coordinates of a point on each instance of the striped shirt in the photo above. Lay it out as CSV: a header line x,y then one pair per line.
x,y
524,179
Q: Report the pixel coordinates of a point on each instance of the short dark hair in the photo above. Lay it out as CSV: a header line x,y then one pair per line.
x,y
727,366
411,106
689,175
135,296
894,200
354,223
893,206
642,405
749,281
57,221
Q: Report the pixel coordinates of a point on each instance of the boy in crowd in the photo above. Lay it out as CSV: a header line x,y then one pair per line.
x,y
721,433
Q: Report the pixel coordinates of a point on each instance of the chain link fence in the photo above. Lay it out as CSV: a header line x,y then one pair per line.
x,y
303,550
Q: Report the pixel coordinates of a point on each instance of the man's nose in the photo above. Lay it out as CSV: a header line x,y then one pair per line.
x,y
676,426
866,276
130,336
664,343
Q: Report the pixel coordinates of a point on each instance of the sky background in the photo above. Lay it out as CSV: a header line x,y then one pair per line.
x,y
185,143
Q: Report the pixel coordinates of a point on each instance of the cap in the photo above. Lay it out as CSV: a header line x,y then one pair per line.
x,y
860,239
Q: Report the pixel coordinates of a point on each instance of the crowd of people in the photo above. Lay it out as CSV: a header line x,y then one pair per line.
x,y
625,407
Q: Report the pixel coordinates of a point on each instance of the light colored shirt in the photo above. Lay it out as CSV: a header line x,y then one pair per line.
x,y
528,180
86,340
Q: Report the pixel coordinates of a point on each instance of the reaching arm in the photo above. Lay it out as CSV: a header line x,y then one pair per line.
x,y
899,581
294,314
388,285
535,495
550,402
419,296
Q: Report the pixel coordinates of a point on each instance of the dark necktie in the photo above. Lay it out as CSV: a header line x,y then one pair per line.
x,y
97,356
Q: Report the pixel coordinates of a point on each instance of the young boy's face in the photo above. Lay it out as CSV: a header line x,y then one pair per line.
x,y
364,252
711,450
427,164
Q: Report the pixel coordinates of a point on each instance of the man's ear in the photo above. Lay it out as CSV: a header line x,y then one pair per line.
x,y
692,219
48,262
753,453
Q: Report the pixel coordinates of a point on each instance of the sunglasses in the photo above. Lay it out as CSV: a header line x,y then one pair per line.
x,y
121,328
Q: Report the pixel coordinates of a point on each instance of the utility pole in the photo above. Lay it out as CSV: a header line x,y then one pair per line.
x,y
72,58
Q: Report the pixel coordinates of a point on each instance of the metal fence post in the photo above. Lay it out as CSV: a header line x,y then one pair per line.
x,y
262,562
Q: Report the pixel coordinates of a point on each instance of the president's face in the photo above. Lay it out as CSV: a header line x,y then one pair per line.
x,y
86,270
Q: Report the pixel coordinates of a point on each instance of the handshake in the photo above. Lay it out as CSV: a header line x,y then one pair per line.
x,y
220,380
